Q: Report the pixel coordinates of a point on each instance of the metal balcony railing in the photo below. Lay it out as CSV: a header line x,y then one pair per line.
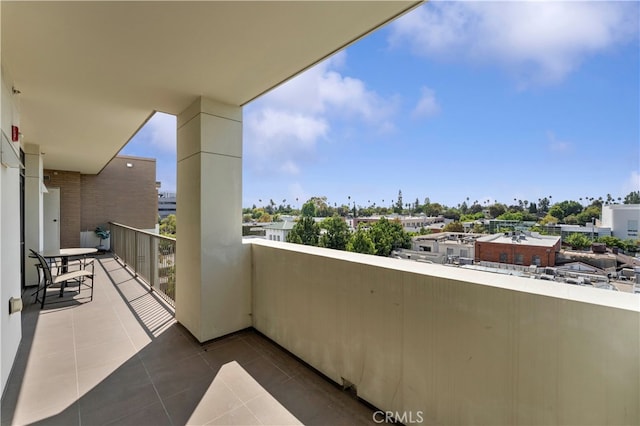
x,y
152,257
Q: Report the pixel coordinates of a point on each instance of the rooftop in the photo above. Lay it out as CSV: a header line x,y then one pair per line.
x,y
534,239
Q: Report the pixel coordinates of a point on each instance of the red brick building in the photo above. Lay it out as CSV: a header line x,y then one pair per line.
x,y
518,249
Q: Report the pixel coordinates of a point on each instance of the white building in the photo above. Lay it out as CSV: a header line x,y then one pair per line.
x,y
166,204
589,230
623,219
450,244
278,231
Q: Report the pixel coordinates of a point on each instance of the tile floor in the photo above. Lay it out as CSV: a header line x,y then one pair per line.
x,y
122,359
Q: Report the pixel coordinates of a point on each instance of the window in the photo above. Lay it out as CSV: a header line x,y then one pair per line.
x,y
503,257
632,228
426,248
449,252
535,260
464,253
519,258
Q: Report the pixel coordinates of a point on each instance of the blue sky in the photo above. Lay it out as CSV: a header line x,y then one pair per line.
x,y
491,101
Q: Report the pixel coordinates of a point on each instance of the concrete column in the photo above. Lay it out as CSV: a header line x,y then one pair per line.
x,y
213,287
33,214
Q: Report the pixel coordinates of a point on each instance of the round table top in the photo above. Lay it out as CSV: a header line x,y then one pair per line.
x,y
67,252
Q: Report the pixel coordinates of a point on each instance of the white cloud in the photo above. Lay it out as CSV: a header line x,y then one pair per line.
x,y
633,183
427,105
556,145
162,131
284,127
539,42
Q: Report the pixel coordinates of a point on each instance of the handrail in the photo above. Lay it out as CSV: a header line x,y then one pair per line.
x,y
150,256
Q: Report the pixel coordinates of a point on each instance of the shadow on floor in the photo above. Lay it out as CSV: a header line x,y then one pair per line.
x,y
131,363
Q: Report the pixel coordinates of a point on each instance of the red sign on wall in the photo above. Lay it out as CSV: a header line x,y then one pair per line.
x,y
15,133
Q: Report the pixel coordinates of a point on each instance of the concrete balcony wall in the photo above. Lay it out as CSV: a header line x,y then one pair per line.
x,y
456,346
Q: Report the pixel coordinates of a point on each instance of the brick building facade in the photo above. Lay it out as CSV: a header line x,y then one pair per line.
x,y
124,191
518,249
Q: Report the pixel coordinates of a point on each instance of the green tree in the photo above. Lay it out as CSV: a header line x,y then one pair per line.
x,y
569,207
453,227
479,228
322,208
557,212
588,214
497,209
388,236
433,209
452,213
424,231
632,198
549,220
572,219
337,233
309,209
265,218
543,205
471,217
510,216
631,246
360,241
578,240
398,206
306,231
168,226
610,241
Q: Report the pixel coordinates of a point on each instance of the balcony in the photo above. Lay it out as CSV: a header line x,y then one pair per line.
x,y
123,359
425,342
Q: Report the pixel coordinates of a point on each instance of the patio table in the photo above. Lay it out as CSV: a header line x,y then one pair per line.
x,y
64,255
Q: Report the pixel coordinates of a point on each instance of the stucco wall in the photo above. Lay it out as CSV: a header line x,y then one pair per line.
x,y
462,347
10,325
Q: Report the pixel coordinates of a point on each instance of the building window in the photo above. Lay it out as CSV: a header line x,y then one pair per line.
x,y
449,252
519,258
464,253
426,248
503,257
632,228
535,260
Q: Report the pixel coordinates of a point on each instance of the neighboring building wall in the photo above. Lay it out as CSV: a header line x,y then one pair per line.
x,y
623,219
416,222
278,231
588,230
121,194
449,244
516,253
166,204
118,193
276,234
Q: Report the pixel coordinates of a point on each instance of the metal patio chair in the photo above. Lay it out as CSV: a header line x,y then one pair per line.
x,y
83,277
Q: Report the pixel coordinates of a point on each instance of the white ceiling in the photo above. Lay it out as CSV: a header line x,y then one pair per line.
x,y
91,73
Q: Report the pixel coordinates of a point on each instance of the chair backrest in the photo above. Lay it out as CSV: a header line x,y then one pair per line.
x,y
45,266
